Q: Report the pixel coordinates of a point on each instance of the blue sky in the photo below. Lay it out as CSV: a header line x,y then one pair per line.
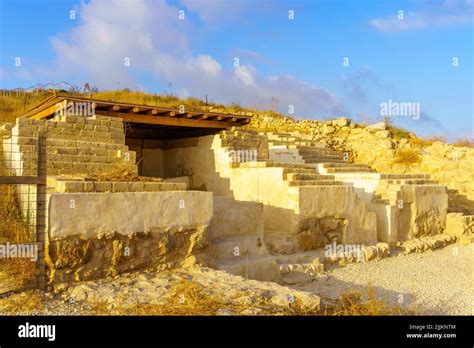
x,y
400,56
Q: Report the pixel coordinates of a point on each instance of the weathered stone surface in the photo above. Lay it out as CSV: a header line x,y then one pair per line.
x,y
89,214
77,259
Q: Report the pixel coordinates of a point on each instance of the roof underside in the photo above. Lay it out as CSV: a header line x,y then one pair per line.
x,y
143,121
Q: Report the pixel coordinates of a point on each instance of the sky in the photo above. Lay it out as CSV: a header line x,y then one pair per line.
x,y
311,59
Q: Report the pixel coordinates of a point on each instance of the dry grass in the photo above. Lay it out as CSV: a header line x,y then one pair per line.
x,y
189,299
351,304
12,106
464,142
185,299
407,156
24,303
14,228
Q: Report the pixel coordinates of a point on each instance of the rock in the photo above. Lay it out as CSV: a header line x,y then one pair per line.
x,y
59,288
341,122
225,312
282,300
383,134
251,311
370,253
377,126
327,129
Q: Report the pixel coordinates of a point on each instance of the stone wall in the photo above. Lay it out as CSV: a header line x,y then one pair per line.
x,y
92,235
285,208
75,145
375,145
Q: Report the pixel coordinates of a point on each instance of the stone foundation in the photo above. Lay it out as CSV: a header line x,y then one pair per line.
x,y
93,235
77,259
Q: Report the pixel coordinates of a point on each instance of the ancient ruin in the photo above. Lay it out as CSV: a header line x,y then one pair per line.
x,y
132,186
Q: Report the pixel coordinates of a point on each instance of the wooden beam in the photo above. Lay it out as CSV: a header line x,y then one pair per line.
x,y
168,113
152,112
169,121
22,180
45,113
114,108
196,115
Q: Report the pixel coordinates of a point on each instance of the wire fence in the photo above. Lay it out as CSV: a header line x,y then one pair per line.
x,y
22,213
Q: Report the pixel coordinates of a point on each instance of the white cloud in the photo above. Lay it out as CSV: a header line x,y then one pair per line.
x,y
450,12
151,35
245,74
219,11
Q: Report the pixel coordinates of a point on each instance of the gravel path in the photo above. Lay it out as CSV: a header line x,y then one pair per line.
x,y
439,282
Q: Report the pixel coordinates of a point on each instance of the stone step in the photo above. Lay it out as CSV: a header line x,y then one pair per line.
x,y
328,158
69,168
271,164
308,148
71,149
320,153
238,142
278,134
231,247
305,268
77,186
404,176
345,164
246,134
83,144
301,171
324,160
239,136
235,128
314,183
313,150
264,268
299,176
413,182
84,158
350,170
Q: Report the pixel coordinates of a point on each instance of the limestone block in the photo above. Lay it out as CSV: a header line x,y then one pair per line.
x,y
100,128
120,187
233,217
136,187
126,213
103,186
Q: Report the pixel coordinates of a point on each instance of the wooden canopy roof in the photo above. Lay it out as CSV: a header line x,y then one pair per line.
x,y
146,121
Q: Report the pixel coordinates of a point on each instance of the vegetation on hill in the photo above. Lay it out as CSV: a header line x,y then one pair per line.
x,y
14,104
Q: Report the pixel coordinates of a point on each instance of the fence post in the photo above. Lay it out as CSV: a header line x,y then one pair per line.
x,y
41,212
